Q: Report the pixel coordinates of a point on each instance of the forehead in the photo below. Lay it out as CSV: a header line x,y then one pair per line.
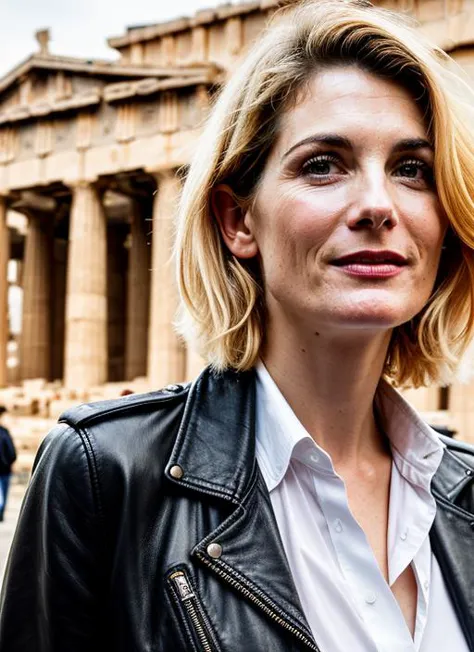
x,y
351,102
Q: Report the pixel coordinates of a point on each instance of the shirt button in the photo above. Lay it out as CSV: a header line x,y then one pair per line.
x,y
314,457
426,585
338,526
404,535
370,597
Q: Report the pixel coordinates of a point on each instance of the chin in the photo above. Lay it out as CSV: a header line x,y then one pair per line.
x,y
378,309
374,317
366,323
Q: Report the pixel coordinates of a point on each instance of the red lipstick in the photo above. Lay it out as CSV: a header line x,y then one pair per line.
x,y
372,264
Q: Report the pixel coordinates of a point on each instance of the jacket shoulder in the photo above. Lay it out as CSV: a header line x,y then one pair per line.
x,y
88,413
460,449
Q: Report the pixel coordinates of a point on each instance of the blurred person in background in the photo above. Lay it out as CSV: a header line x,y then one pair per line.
x,y
289,499
7,458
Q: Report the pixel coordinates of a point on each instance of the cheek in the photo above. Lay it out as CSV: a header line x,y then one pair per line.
x,y
301,218
429,227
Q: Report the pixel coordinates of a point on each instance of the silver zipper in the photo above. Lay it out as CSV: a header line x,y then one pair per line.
x,y
259,602
189,601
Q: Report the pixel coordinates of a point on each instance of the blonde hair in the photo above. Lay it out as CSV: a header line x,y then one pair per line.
x,y
223,309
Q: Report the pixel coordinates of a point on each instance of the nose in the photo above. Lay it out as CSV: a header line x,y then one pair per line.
x,y
374,208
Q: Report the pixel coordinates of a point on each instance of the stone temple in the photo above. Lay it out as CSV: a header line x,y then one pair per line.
x,y
92,158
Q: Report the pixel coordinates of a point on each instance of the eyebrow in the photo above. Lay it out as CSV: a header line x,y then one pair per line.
x,y
334,140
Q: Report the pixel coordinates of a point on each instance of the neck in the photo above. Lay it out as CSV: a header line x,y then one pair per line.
x,y
330,383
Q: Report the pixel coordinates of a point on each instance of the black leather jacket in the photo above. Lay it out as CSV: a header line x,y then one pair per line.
x,y
117,551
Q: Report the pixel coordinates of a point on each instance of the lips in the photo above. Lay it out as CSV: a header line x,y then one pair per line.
x,y
371,257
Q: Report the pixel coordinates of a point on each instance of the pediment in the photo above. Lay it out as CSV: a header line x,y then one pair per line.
x,y
46,84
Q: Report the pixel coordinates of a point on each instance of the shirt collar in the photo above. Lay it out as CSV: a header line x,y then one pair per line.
x,y
278,430
280,436
416,448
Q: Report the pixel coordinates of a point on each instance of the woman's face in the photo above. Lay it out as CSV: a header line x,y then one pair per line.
x,y
346,220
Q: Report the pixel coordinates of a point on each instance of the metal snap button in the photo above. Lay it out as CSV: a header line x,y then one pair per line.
x,y
176,472
172,388
214,550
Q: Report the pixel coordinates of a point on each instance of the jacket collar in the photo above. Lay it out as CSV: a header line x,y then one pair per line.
x,y
456,471
212,463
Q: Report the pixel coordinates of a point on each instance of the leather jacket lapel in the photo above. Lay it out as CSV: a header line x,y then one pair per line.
x,y
452,536
215,448
253,561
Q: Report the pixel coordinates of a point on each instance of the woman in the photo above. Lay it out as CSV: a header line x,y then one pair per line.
x,y
289,499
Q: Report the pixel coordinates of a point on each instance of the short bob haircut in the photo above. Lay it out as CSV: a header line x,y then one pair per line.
x,y
223,311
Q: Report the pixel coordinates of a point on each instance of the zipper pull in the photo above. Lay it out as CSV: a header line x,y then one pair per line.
x,y
184,589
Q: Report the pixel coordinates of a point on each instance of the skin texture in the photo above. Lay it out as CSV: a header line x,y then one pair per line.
x,y
361,188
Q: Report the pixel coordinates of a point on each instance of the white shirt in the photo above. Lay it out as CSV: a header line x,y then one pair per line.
x,y
346,600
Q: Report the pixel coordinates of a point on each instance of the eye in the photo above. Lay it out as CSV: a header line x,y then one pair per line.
x,y
322,166
415,170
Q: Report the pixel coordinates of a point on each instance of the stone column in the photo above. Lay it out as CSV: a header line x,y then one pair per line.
x,y
166,353
86,293
59,307
36,334
138,295
116,301
4,256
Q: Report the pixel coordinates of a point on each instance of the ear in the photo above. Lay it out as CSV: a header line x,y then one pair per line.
x,y
234,222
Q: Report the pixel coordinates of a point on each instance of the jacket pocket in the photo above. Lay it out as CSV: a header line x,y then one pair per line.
x,y
191,611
